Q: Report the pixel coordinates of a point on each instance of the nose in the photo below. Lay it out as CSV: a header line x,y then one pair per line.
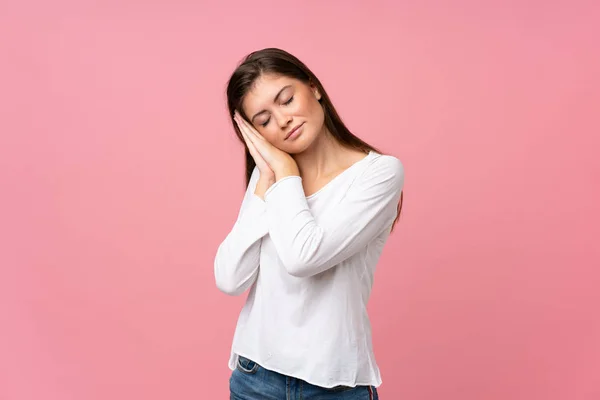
x,y
283,119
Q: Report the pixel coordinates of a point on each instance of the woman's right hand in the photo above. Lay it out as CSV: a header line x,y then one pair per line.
x,y
267,176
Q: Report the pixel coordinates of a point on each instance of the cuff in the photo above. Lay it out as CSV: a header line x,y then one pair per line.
x,y
255,206
282,182
286,198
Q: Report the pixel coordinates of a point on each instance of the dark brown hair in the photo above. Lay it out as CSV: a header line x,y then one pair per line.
x,y
279,62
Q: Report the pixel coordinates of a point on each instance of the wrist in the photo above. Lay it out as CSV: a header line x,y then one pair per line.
x,y
266,179
287,171
263,184
285,166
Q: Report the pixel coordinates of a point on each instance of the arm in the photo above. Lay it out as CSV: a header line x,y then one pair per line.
x,y
237,259
368,208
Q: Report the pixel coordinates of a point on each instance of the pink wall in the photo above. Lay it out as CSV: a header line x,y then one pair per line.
x,y
120,175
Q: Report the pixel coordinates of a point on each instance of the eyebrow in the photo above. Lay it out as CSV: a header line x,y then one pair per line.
x,y
274,101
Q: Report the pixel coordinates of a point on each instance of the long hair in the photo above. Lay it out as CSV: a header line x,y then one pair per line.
x,y
279,62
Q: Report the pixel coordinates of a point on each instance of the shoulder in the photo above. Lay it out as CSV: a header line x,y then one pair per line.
x,y
384,167
389,162
380,177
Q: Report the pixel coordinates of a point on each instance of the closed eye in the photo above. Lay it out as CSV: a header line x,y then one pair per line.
x,y
264,124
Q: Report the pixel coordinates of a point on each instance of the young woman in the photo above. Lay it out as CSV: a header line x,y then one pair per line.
x,y
319,206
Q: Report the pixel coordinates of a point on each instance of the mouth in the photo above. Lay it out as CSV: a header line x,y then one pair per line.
x,y
290,133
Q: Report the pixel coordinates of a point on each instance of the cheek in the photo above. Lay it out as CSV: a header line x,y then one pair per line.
x,y
311,106
316,113
269,133
307,106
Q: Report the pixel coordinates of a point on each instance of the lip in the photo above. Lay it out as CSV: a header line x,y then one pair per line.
x,y
290,133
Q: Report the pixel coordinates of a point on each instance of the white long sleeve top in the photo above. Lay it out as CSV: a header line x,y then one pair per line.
x,y
309,263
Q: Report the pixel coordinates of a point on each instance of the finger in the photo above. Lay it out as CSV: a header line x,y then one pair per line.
x,y
258,147
256,155
247,139
249,143
240,125
244,136
251,148
238,118
251,129
247,132
261,147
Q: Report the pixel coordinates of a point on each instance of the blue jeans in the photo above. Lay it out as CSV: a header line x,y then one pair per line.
x,y
250,381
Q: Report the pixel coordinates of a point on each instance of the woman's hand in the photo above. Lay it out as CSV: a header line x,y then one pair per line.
x,y
263,152
266,173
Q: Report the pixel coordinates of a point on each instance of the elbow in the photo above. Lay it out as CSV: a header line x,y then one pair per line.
x,y
228,288
304,261
299,268
227,283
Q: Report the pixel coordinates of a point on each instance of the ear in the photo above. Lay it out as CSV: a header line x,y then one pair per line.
x,y
315,91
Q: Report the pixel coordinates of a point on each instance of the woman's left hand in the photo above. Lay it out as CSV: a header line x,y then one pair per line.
x,y
280,162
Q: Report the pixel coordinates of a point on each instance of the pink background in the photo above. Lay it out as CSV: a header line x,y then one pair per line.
x,y
120,175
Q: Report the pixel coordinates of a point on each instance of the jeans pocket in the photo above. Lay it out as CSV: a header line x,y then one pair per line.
x,y
246,365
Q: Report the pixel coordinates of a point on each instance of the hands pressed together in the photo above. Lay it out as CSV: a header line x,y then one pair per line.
x,y
273,163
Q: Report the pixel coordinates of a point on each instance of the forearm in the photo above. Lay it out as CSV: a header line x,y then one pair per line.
x,y
237,260
368,208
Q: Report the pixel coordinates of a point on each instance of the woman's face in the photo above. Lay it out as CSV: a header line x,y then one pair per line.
x,y
276,105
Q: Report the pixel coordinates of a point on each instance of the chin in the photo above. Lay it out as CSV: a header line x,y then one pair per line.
x,y
295,149
300,144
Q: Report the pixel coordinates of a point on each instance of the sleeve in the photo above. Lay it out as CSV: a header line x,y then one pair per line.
x,y
237,259
368,208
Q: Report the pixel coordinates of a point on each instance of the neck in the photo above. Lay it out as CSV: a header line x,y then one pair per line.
x,y
323,157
